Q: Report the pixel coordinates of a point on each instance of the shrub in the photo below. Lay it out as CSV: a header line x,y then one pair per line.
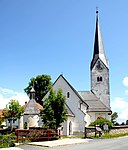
x,y
101,121
5,141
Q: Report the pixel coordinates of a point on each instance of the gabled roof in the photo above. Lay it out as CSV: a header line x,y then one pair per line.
x,y
71,88
95,105
31,108
38,105
69,111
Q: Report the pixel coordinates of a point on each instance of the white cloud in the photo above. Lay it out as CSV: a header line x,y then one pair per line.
x,y
120,106
124,115
126,92
125,81
7,94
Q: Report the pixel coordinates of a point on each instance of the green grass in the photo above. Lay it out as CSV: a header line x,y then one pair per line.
x,y
107,135
104,136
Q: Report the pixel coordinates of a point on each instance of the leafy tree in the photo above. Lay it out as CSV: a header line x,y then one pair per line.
x,y
122,123
1,120
54,112
100,121
13,111
126,122
114,116
42,84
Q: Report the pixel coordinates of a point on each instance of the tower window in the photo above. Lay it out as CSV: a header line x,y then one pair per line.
x,y
99,79
68,94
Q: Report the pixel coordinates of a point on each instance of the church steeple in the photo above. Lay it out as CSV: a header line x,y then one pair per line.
x,y
99,69
99,52
32,93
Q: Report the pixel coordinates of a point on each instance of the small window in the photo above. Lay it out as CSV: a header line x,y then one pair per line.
x,y
68,94
99,79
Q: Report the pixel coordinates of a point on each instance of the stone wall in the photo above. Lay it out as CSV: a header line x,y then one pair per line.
x,y
119,129
90,131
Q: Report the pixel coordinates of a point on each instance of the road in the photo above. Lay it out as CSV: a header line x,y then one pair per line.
x,y
99,144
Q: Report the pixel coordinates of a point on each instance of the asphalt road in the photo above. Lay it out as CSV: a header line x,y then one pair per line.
x,y
97,144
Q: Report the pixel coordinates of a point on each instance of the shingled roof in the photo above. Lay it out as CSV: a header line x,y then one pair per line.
x,y
1,111
32,108
69,111
95,105
38,105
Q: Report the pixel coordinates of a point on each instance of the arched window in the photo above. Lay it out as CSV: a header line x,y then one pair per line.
x,y
68,94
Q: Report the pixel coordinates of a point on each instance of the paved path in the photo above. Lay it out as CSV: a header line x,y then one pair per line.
x,y
60,142
99,144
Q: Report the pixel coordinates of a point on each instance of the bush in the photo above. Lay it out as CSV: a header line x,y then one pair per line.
x,y
101,121
5,141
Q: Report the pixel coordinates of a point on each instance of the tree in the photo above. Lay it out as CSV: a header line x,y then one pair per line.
x,y
126,122
1,120
114,116
54,112
13,111
101,121
42,84
122,123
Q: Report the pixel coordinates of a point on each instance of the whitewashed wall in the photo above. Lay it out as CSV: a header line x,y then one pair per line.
x,y
74,104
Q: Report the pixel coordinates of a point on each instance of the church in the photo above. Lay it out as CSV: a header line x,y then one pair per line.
x,y
84,107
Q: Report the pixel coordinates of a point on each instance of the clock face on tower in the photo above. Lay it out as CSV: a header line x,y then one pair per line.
x,y
99,66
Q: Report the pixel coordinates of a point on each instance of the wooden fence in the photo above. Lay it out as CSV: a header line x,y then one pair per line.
x,y
36,135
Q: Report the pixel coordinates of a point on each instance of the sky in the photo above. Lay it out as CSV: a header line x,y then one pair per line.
x,y
56,37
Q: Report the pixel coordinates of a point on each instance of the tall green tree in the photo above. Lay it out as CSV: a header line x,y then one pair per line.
x,y
54,112
13,111
114,116
126,122
1,120
42,84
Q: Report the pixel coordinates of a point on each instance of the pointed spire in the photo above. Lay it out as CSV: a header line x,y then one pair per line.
x,y
98,45
32,93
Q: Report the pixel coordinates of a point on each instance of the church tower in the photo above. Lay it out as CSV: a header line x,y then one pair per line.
x,y
99,69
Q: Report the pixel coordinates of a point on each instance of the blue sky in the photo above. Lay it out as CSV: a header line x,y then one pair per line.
x,y
57,36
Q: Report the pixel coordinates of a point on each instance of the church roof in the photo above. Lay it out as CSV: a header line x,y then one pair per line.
x,y
32,90
95,105
1,111
71,88
98,46
38,105
69,111
32,108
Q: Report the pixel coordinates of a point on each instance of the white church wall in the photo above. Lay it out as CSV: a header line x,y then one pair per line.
x,y
73,102
83,108
87,119
68,126
20,123
95,115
